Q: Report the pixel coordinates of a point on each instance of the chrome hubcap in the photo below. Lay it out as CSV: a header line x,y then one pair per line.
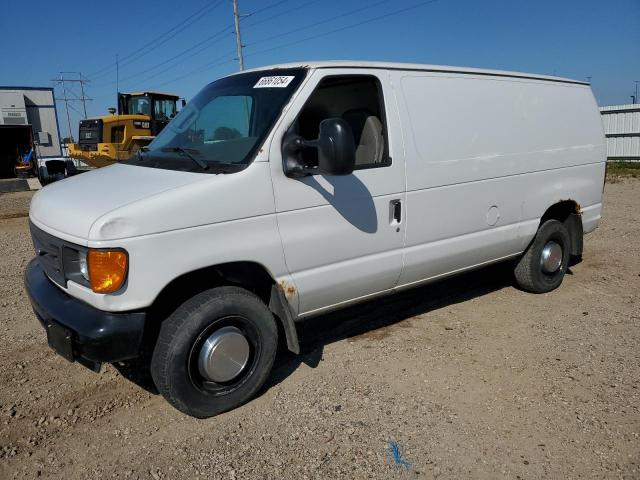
x,y
224,355
551,258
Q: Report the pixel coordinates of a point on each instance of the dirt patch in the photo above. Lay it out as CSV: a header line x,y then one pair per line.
x,y
470,376
7,216
14,205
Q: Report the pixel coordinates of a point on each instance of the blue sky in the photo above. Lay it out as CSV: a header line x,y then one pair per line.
x,y
572,38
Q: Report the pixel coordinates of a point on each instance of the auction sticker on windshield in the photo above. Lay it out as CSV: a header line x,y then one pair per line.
x,y
279,81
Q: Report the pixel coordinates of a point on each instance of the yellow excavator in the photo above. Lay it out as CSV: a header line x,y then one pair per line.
x,y
117,136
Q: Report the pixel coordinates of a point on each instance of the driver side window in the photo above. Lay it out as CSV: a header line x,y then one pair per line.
x,y
356,99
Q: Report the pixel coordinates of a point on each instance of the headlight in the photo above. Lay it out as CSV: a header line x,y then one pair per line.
x,y
82,264
107,269
104,271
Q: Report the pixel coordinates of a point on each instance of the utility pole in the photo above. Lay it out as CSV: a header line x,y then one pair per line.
x,y
84,103
68,95
635,97
236,21
117,76
66,105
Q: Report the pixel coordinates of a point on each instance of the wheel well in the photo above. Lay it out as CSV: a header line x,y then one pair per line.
x,y
248,275
570,214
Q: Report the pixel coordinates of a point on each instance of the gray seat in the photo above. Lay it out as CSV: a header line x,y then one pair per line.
x,y
367,134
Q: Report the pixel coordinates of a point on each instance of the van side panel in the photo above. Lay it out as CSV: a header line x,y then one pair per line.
x,y
485,158
468,128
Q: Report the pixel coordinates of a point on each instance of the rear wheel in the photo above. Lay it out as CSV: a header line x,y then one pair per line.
x,y
542,267
215,351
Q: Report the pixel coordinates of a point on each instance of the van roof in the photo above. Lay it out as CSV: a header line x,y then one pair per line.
x,y
415,67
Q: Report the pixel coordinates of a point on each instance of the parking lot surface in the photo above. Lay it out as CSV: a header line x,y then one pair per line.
x,y
469,377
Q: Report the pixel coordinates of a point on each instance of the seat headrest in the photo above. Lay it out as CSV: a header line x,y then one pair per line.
x,y
356,118
367,135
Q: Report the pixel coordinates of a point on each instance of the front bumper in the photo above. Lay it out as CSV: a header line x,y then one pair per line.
x,y
105,154
76,330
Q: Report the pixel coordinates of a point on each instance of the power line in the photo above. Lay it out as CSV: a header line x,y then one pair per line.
x,y
68,96
312,37
227,59
266,7
204,68
302,5
202,43
353,25
166,39
162,38
314,24
179,56
75,110
110,67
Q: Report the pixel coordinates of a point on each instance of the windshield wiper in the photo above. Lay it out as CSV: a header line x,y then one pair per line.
x,y
183,151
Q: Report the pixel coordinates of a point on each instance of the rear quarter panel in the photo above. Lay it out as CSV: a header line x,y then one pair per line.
x,y
486,156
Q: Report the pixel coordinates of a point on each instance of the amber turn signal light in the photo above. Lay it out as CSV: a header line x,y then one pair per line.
x,y
107,270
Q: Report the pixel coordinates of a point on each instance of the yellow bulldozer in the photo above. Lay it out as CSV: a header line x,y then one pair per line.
x,y
117,136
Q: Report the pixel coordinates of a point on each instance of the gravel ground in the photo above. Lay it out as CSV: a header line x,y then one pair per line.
x,y
471,377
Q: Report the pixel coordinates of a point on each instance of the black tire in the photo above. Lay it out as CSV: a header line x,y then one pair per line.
x,y
174,362
529,272
43,175
70,168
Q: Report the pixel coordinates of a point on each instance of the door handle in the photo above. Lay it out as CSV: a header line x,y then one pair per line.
x,y
395,207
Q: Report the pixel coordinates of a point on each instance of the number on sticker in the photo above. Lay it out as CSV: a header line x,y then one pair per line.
x,y
279,81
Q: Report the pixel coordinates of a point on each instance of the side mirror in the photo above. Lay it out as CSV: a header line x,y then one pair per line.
x,y
336,151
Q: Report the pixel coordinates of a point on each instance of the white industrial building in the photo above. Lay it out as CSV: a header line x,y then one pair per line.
x,y
28,120
622,129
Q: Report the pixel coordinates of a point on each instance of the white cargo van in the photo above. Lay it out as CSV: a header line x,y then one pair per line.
x,y
288,191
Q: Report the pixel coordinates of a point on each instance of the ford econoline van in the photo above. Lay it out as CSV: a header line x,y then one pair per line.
x,y
284,192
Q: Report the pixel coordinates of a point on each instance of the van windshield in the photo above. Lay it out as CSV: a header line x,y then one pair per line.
x,y
224,125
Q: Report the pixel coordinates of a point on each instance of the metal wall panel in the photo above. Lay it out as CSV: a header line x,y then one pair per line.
x,y
622,128
620,147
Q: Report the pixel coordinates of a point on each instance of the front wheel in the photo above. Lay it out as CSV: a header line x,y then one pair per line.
x,y
542,267
215,351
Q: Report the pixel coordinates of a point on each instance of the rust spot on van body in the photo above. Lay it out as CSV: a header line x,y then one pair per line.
x,y
289,290
576,205
578,208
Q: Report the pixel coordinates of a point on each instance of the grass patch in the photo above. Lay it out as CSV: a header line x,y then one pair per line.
x,y
618,170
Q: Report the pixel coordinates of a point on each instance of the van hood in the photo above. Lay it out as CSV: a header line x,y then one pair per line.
x,y
73,205
123,201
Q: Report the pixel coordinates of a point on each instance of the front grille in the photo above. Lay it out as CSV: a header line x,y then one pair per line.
x,y
49,253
